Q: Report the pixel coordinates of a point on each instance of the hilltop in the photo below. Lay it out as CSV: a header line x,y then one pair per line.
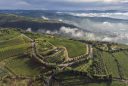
x,y
28,58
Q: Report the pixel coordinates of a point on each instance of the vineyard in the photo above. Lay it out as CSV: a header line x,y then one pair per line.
x,y
46,60
8,34
23,66
99,67
49,52
13,47
115,61
122,58
83,67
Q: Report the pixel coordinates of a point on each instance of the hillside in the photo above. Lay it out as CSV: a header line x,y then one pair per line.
x,y
32,59
15,21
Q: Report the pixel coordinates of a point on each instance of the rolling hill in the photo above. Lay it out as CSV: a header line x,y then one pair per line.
x,y
33,59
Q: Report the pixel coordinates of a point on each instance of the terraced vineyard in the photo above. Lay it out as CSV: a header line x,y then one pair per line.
x,y
7,34
25,66
13,46
30,59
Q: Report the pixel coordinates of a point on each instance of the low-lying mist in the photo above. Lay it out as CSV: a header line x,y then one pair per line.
x,y
92,27
102,31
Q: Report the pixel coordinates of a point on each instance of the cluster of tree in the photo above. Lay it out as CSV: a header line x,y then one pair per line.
x,y
102,77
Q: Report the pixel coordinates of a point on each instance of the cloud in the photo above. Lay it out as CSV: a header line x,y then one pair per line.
x,y
45,18
102,27
78,1
63,4
117,15
101,31
13,4
95,0
22,3
78,33
73,32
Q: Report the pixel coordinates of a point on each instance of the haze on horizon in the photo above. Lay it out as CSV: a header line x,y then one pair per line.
x,y
64,5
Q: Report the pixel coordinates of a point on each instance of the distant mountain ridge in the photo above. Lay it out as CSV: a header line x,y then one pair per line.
x,y
15,21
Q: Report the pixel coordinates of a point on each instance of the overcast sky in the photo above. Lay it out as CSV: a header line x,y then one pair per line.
x,y
64,4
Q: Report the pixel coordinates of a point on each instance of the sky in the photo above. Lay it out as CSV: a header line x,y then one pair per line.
x,y
65,4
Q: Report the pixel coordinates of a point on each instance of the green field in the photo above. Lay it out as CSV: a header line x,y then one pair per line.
x,y
99,67
23,66
77,80
110,64
13,46
8,34
116,63
26,55
122,58
74,48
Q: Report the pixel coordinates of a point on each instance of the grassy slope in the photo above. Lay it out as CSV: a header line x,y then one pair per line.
x,y
8,35
110,64
74,48
23,66
122,58
27,67
13,46
116,63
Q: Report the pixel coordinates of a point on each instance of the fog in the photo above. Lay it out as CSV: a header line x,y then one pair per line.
x,y
117,15
45,18
95,28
